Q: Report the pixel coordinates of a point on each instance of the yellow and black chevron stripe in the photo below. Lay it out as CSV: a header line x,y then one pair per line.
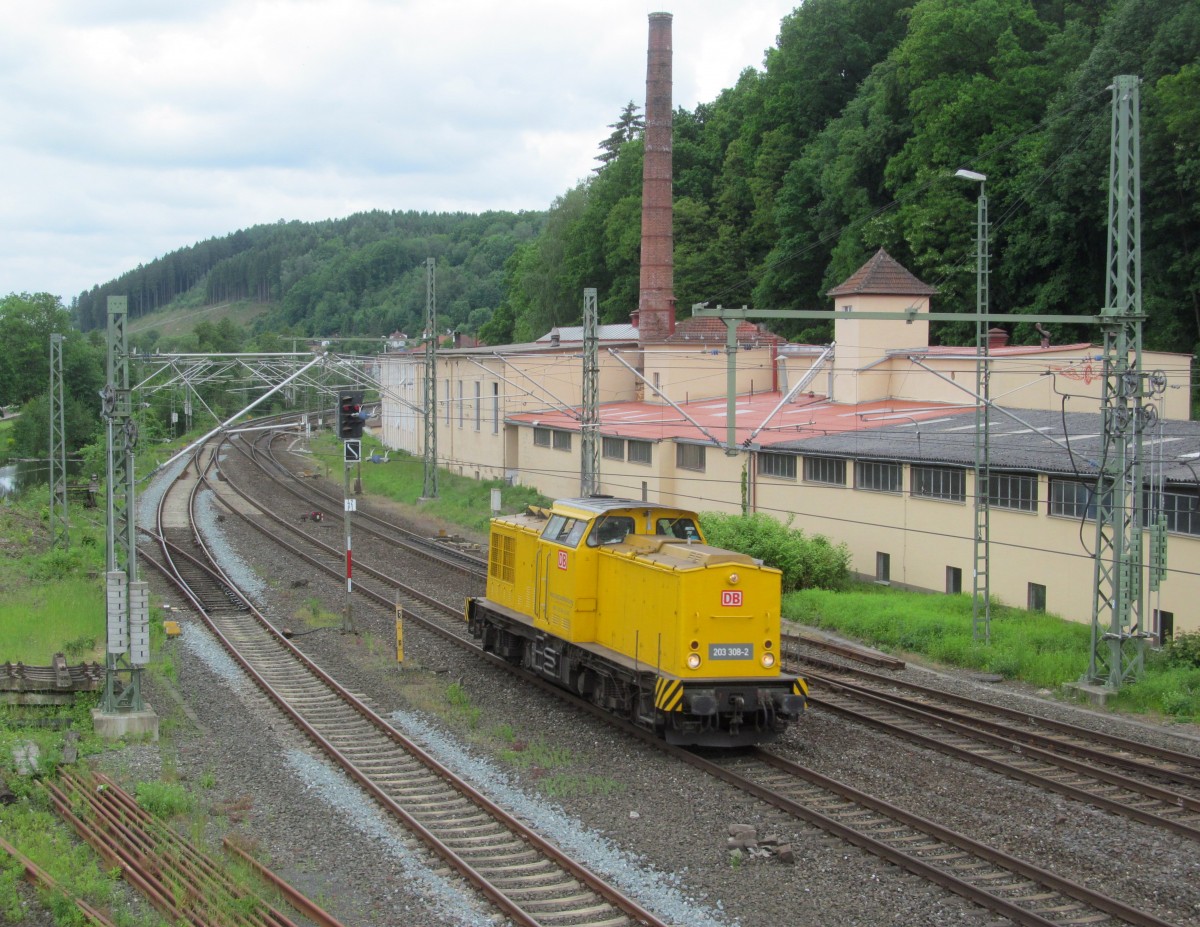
x,y
668,694
800,687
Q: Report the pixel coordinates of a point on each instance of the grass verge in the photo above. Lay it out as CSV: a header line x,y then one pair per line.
x,y
1033,647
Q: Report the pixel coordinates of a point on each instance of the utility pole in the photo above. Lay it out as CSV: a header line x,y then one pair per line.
x,y
430,490
589,424
127,598
60,523
981,591
1118,634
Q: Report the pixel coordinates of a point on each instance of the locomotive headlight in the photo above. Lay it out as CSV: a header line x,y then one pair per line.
x,y
768,660
693,661
733,579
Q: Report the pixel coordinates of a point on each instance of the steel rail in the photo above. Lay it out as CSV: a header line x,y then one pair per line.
x,y
374,524
628,908
1082,737
37,876
943,725
1027,870
333,554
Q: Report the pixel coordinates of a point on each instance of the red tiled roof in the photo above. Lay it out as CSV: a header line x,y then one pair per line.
x,y
810,417
708,330
882,276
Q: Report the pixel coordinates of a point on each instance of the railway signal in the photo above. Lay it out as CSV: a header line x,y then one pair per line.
x,y
351,415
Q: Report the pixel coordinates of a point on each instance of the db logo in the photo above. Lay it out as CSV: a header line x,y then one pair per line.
x,y
731,598
562,559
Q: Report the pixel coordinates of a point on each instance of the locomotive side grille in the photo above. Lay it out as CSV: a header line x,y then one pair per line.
x,y
502,558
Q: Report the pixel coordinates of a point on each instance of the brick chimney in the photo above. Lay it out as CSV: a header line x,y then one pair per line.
x,y
656,301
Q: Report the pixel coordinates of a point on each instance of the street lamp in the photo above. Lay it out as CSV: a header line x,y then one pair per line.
x,y
982,547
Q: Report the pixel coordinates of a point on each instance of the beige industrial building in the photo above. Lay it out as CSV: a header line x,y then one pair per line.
x,y
875,449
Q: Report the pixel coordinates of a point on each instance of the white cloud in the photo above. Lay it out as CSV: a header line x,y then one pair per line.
x,y
129,129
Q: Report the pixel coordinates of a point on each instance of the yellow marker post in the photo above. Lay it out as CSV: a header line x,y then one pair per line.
x,y
399,634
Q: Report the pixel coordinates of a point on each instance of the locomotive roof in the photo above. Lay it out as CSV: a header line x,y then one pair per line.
x,y
598,505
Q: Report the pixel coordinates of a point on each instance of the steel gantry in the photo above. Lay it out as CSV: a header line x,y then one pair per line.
x,y
1118,630
127,598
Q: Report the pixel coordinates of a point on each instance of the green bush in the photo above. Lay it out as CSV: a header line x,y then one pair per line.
x,y
1183,650
807,562
164,800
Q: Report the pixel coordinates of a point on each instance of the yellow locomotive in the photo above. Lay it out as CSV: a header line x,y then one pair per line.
x,y
623,603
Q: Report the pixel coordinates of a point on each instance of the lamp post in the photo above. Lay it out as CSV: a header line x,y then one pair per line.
x,y
981,591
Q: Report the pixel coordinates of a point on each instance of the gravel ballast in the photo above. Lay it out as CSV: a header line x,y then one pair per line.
x,y
646,823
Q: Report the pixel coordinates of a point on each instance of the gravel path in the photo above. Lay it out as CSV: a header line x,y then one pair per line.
x,y
642,820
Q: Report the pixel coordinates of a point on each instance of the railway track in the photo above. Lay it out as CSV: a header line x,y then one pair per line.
x,y
183,884
525,877
1014,888
1121,779
1019,890
261,454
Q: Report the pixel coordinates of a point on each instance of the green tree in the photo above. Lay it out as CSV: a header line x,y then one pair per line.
x,y
629,125
26,323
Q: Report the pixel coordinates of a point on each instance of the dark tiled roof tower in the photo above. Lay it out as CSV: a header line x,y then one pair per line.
x,y
882,276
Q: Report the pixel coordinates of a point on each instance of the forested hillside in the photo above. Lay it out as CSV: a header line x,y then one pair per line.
x,y
362,275
846,140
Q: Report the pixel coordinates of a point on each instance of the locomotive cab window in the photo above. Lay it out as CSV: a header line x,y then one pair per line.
x,y
682,528
610,530
563,530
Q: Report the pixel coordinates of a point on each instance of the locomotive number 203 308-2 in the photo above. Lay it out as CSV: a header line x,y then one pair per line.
x,y
731,651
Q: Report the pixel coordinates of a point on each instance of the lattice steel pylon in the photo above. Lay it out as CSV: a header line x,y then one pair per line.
x,y
127,599
1118,635
589,422
430,490
60,522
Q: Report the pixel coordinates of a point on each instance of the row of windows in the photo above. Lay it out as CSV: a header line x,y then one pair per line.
x,y
478,406
631,450
1013,491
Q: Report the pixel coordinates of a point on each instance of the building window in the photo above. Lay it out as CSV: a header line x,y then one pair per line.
x,y
883,567
478,407
495,408
1181,509
460,404
945,483
1036,597
1018,491
689,457
562,440
953,580
613,448
878,477
1072,499
1164,626
541,437
782,466
831,470
640,451
448,403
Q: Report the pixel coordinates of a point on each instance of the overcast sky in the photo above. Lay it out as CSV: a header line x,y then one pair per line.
x,y
131,128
